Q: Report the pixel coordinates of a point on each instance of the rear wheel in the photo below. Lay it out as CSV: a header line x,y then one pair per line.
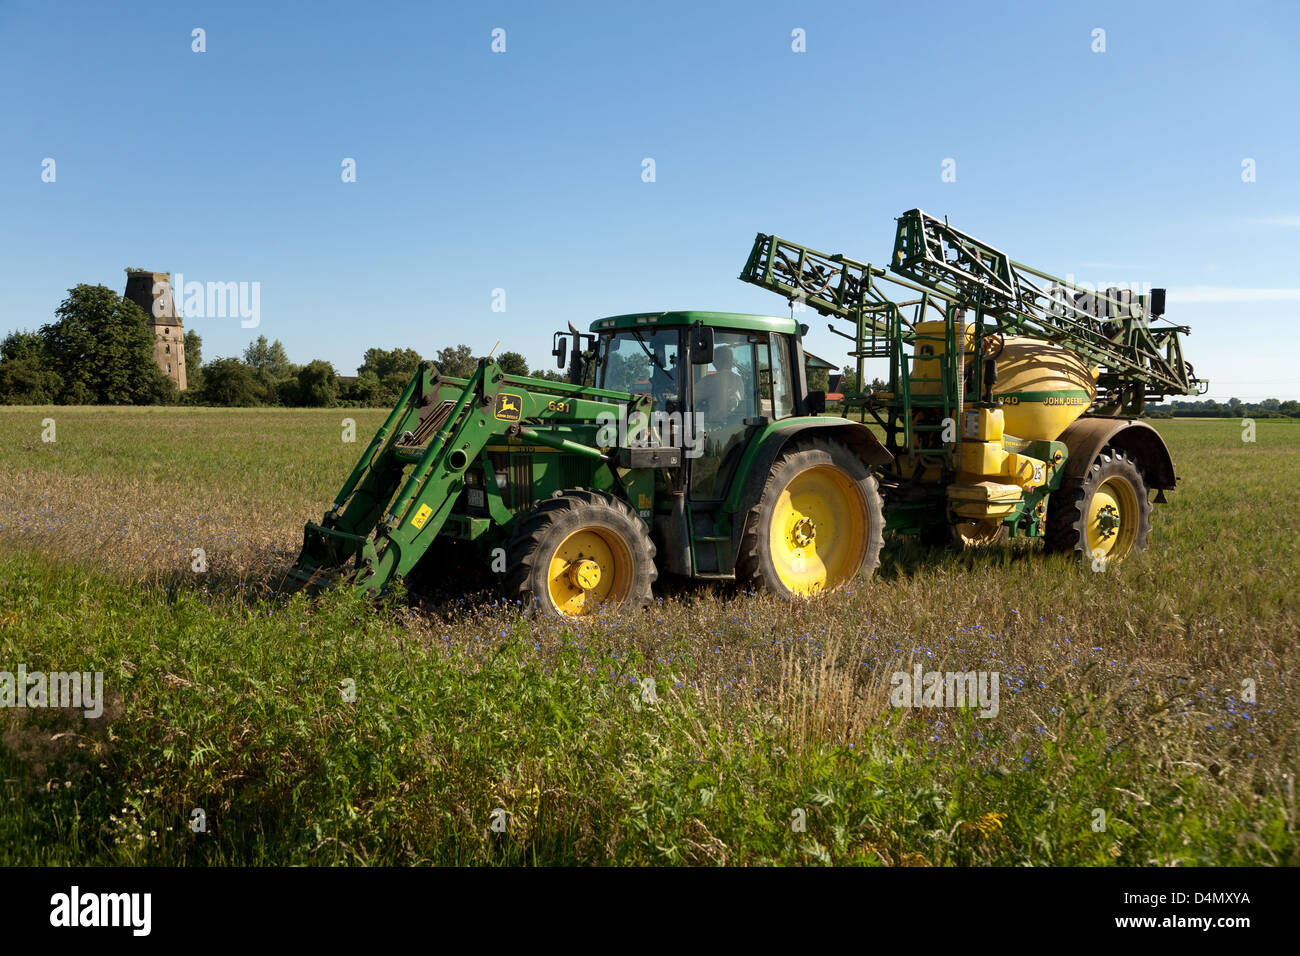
x,y
1106,513
818,522
579,551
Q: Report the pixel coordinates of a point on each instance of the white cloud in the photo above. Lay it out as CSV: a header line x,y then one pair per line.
x,y
1229,295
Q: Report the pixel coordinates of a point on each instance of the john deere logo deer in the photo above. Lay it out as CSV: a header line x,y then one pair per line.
x,y
508,407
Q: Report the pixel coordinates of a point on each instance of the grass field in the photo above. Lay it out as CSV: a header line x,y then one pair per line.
x,y
1125,695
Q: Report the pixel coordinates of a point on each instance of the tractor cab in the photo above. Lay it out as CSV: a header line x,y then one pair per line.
x,y
731,390
715,378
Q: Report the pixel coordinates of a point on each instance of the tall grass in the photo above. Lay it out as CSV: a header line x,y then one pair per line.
x,y
768,737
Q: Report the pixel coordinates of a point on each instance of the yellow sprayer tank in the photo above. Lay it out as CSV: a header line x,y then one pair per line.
x,y
1043,387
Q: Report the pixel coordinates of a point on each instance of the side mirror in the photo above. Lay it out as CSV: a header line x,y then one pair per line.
x,y
1157,301
573,351
701,344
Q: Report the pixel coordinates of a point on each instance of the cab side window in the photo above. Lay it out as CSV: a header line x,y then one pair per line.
x,y
782,378
725,390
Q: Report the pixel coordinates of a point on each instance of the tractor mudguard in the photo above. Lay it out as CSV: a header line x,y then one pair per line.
x,y
1086,437
754,469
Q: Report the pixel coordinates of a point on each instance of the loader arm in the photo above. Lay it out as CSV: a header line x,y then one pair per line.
x,y
399,495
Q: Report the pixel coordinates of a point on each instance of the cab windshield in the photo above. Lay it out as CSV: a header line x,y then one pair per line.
x,y
642,361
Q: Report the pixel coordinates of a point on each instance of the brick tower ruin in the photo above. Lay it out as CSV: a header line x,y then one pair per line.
x,y
169,336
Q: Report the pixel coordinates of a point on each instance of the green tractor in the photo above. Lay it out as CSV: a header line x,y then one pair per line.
x,y
689,443
686,443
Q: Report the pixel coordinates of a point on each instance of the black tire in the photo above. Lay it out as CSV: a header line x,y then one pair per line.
x,y
539,535
756,566
1068,507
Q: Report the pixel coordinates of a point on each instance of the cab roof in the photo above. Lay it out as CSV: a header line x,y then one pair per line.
x,y
719,320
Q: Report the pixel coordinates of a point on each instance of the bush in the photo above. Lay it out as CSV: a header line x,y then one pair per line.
x,y
318,385
228,381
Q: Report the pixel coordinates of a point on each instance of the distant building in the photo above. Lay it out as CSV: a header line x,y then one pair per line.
x,y
815,363
152,291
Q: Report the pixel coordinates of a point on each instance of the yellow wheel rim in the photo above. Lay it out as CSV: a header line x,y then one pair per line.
x,y
590,567
1113,517
818,536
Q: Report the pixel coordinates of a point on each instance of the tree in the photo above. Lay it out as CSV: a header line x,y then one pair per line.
x,y
318,384
391,388
194,361
270,364
269,360
366,390
456,360
228,381
382,375
549,374
287,392
512,363
23,345
25,374
102,348
23,382
384,363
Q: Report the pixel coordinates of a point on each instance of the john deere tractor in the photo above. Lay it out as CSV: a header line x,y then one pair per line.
x,y
690,444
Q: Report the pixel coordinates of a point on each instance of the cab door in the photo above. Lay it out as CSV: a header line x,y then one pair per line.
x,y
726,405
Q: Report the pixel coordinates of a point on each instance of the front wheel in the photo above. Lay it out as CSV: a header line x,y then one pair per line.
x,y
819,521
579,551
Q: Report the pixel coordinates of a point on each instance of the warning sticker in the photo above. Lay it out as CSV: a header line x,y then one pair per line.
x,y
421,516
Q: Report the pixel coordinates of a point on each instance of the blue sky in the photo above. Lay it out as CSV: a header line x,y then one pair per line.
x,y
522,170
